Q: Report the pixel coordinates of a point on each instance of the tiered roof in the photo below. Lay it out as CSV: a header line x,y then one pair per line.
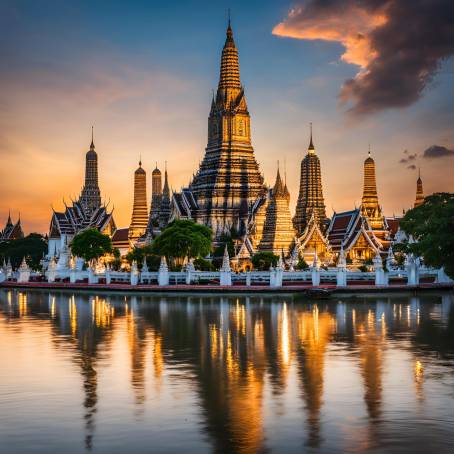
x,y
11,231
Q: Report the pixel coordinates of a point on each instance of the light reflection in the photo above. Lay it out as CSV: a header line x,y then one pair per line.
x,y
243,359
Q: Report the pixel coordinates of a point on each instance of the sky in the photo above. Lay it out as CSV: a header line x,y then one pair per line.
x,y
142,73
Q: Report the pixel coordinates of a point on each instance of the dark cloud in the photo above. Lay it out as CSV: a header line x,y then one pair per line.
x,y
401,48
411,167
408,157
437,151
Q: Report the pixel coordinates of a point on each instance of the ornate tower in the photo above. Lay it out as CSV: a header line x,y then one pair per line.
x,y
156,196
370,207
228,180
419,192
90,197
278,233
310,199
139,218
164,209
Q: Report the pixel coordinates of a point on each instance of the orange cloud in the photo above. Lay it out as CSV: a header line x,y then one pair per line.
x,y
348,26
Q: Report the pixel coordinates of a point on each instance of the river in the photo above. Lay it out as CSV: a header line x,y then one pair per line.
x,y
113,373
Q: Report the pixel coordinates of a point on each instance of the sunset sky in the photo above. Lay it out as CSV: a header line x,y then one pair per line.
x,y
142,72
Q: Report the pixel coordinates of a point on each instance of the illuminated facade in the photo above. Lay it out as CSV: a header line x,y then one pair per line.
x,y
228,181
419,192
310,199
139,219
278,234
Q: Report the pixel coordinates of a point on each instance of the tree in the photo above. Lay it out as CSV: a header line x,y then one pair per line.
x,y
432,225
32,247
138,253
182,239
90,245
203,264
262,261
302,264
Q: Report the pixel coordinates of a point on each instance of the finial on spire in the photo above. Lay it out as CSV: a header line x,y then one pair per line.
x,y
311,143
156,164
92,145
228,12
369,151
140,160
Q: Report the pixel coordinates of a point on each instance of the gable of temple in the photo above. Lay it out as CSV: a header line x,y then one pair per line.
x,y
352,231
11,231
312,241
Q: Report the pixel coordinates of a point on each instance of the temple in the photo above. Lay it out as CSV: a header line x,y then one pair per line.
x,y
11,231
278,234
228,181
87,212
156,198
310,202
164,204
419,192
139,218
364,232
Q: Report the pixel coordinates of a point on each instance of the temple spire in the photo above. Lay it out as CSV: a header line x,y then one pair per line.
x,y
310,199
370,206
90,197
311,143
92,145
230,68
419,191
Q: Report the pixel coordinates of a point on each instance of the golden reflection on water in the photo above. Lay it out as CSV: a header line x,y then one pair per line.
x,y
242,356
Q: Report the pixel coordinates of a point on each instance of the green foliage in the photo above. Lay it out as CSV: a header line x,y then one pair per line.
x,y
116,253
32,247
363,268
225,239
348,260
91,245
203,265
432,226
262,261
302,264
138,253
115,264
183,239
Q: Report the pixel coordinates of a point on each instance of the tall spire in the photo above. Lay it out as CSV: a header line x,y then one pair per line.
x,y
90,197
419,191
310,199
139,219
370,206
311,143
92,145
278,232
230,68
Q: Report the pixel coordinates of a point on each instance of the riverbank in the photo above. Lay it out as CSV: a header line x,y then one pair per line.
x,y
321,291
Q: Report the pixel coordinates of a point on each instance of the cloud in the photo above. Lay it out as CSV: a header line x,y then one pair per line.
x,y
437,151
411,167
408,157
397,45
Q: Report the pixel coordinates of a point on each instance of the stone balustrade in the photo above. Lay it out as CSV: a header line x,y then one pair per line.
x,y
276,277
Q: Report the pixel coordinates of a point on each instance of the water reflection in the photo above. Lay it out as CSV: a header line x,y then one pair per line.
x,y
235,366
